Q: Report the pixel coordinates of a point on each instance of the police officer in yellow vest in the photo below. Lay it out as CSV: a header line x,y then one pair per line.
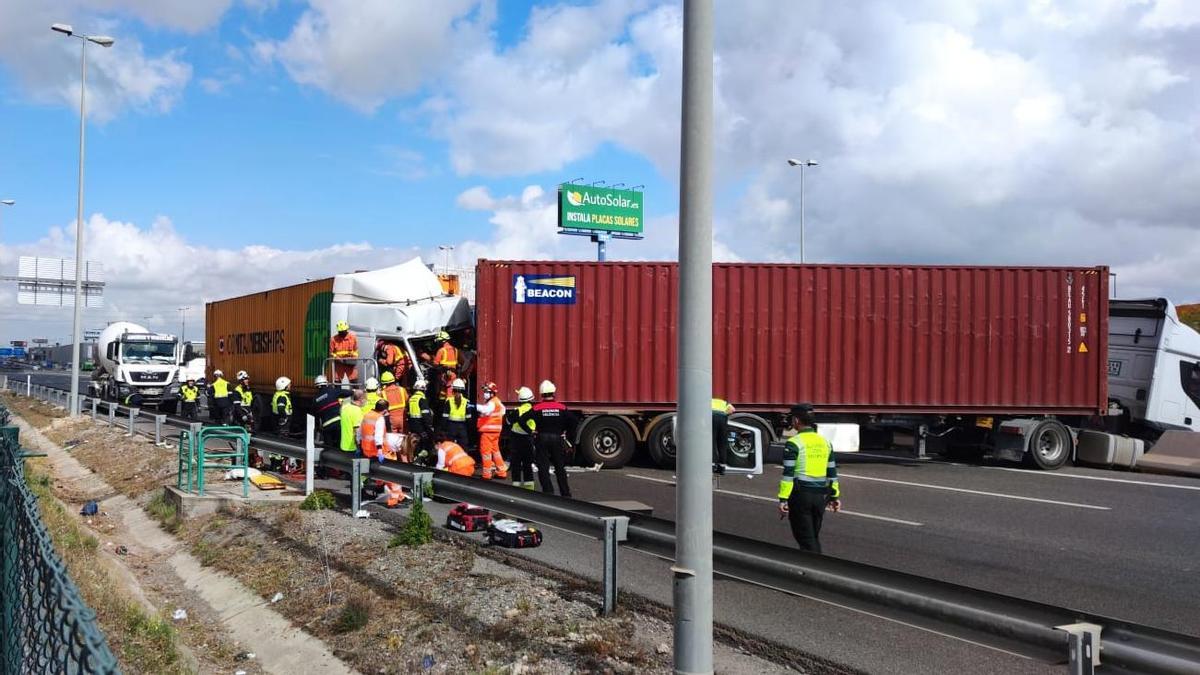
x,y
219,404
281,405
810,484
519,437
721,410
189,394
420,422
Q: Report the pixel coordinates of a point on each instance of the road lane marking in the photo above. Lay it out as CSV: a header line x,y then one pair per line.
x,y
1031,472
842,474
773,500
1050,474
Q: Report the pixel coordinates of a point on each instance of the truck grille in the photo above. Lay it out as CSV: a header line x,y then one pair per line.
x,y
146,378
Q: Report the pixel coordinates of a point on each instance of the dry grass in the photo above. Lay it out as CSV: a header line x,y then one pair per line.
x,y
143,643
33,411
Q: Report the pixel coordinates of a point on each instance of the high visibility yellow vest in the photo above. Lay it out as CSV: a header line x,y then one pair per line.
x,y
220,388
457,410
521,410
808,462
189,393
414,405
287,400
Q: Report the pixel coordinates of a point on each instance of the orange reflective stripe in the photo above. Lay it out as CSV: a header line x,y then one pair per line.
x,y
396,397
368,433
493,422
446,356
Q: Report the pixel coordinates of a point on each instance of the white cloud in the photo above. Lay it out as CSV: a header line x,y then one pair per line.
x,y
366,51
46,64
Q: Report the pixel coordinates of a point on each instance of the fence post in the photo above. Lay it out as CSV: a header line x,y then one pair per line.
x,y
616,530
358,470
133,413
420,480
310,452
158,422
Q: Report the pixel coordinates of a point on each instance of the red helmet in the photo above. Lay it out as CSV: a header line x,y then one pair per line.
x,y
491,387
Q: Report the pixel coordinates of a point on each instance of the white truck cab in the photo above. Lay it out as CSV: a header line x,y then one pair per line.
x,y
1153,365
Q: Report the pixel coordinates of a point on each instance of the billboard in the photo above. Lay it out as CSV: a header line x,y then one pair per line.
x,y
51,282
600,209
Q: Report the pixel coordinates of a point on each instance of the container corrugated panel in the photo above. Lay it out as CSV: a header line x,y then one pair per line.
x,y
856,338
284,331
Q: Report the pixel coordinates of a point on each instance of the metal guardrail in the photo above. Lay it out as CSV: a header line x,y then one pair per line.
x,y
45,626
1042,631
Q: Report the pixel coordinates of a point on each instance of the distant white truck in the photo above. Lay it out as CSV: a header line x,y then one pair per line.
x,y
131,358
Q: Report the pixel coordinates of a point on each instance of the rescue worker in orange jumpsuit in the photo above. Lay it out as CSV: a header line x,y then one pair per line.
x,y
391,359
397,399
344,345
452,458
372,432
490,423
445,365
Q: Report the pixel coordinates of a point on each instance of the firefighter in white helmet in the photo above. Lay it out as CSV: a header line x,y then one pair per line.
x,y
553,423
281,406
373,395
455,412
519,440
420,421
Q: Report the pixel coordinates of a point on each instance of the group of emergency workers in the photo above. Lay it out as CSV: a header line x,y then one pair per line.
x,y
404,417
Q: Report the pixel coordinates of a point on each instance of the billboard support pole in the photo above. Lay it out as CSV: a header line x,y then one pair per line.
x,y
693,568
601,239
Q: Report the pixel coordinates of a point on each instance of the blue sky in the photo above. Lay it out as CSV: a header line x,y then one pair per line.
x,y
238,145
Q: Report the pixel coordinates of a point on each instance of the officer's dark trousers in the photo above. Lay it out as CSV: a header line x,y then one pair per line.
x,y
549,449
188,409
457,431
520,458
720,438
806,508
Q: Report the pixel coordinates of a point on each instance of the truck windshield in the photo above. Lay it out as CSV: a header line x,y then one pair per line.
x,y
149,352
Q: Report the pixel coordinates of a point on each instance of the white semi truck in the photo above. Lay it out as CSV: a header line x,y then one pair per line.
x,y
131,358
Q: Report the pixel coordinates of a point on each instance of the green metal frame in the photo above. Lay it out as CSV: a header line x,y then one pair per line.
x,y
194,457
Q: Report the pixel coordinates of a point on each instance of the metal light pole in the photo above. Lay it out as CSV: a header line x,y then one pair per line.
x,y
103,41
802,163
183,324
8,202
445,249
693,569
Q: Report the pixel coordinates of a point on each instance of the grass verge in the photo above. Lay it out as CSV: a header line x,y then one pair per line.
x,y
143,642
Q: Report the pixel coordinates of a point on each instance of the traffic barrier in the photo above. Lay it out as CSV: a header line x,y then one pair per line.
x,y
1037,630
45,626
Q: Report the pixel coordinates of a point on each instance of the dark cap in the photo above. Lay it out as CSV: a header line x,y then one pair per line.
x,y
802,410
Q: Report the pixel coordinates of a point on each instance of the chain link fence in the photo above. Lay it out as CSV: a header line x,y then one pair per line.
x,y
45,626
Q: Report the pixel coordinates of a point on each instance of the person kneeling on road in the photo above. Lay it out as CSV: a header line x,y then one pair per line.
x,y
451,457
810,483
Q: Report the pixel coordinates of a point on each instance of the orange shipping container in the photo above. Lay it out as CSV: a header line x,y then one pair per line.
x,y
283,331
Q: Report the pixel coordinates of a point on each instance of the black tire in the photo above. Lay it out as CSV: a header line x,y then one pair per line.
x,y
660,442
757,422
607,440
1050,445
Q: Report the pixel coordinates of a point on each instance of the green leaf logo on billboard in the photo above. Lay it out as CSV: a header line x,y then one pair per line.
x,y
585,207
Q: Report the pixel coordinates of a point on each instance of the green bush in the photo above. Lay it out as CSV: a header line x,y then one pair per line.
x,y
417,530
164,512
354,615
319,500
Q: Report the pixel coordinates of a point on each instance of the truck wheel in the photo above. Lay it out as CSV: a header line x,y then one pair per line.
x,y
661,442
743,447
607,440
1049,445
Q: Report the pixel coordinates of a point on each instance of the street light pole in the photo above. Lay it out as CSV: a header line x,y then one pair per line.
x,y
693,568
8,202
103,41
183,324
802,164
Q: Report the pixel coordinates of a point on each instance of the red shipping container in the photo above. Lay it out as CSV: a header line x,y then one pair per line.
x,y
847,338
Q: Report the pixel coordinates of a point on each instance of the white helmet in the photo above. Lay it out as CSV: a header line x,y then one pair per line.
x,y
282,383
320,380
458,385
218,373
372,384
242,375
547,387
420,383
524,394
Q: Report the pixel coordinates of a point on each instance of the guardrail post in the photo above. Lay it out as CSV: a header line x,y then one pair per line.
x,y
112,414
616,530
310,452
420,480
1083,654
29,385
95,405
358,471
158,422
133,413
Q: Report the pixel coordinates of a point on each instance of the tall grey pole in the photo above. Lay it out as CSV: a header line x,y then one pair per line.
x,y
693,567
76,324
802,212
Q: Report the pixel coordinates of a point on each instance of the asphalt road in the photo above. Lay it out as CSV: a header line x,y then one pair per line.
x,y
1125,545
